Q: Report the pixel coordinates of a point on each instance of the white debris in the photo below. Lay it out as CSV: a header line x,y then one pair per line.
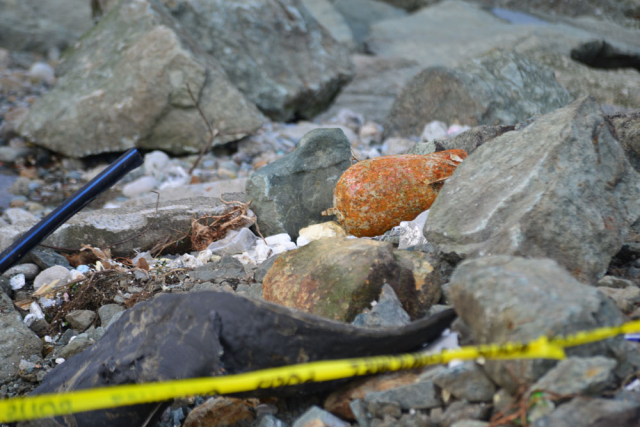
x,y
235,242
17,282
301,241
35,309
278,239
434,130
41,71
60,360
410,232
29,319
633,385
204,256
189,261
76,275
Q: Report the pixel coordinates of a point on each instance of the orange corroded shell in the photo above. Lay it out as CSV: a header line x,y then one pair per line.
x,y
374,195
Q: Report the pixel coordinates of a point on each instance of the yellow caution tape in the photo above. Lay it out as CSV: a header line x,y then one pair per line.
x,y
48,405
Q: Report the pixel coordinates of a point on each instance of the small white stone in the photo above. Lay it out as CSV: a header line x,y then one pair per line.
x,y
35,309
189,261
60,360
155,164
434,130
17,282
139,186
301,241
322,231
29,319
278,239
41,71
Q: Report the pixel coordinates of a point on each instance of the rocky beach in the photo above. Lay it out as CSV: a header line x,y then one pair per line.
x,y
324,179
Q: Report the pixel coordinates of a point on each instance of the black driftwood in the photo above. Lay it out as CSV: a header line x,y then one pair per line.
x,y
199,334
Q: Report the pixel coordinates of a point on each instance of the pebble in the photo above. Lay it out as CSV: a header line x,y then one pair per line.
x,y
155,164
57,272
80,320
321,231
41,71
140,186
107,312
397,145
434,130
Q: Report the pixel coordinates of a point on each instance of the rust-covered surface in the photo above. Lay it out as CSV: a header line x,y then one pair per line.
x,y
337,278
375,195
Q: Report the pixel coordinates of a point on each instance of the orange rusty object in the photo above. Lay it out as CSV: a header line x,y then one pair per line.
x,y
374,195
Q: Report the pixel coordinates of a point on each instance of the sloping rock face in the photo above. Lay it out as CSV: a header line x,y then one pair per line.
x,y
35,25
291,193
499,88
503,298
124,85
561,188
274,51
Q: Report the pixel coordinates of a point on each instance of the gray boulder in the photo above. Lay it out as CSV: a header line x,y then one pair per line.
x,y
329,17
276,53
17,341
290,193
104,227
455,31
505,298
124,85
593,412
466,381
560,188
499,88
578,376
377,84
361,14
35,25
620,11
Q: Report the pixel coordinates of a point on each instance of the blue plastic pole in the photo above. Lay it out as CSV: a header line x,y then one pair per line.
x,y
50,223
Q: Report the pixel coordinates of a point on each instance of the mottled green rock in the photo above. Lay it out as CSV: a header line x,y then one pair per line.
x,y
291,193
337,278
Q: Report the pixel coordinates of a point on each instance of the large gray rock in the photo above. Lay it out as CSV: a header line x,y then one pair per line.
x,y
377,84
619,11
593,412
505,298
124,85
361,14
578,376
619,87
561,188
454,31
499,88
35,25
275,52
17,341
290,193
329,17
105,227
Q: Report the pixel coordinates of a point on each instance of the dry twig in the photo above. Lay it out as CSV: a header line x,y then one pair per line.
x,y
212,132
